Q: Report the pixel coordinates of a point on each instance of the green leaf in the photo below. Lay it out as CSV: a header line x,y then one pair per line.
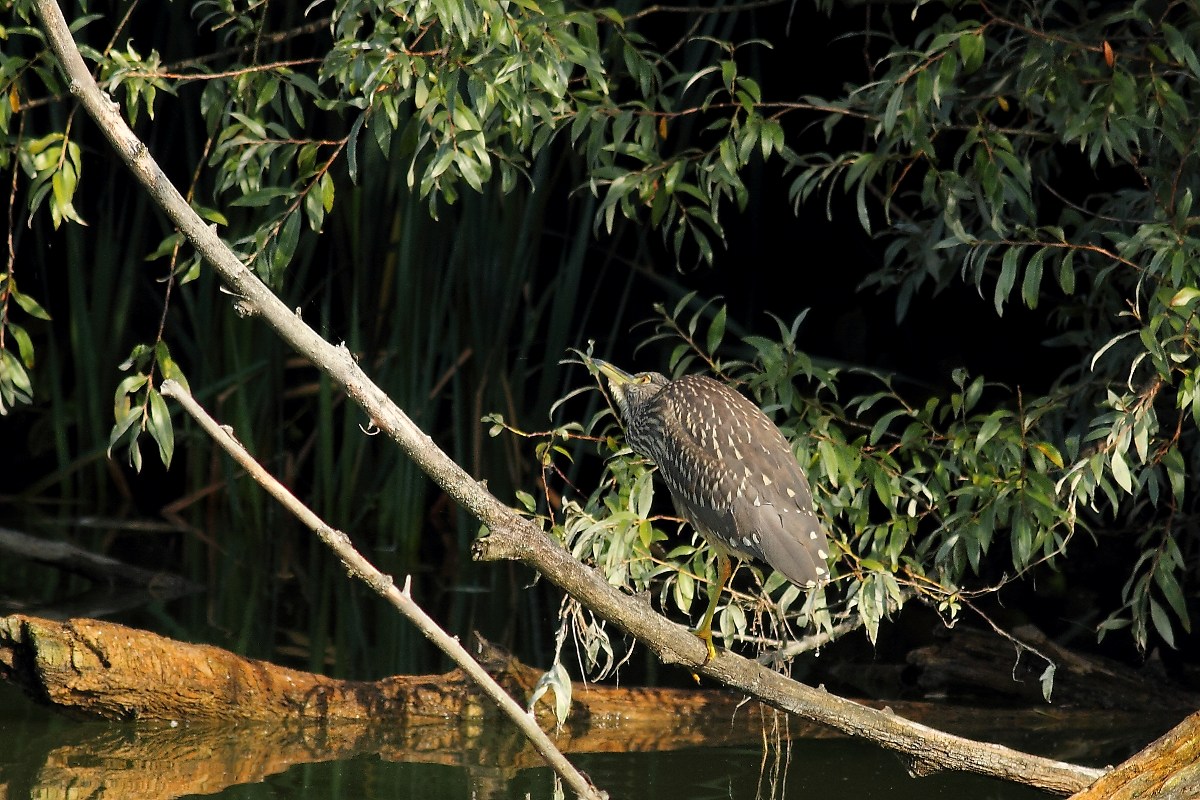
x,y
139,357
1165,579
212,215
860,205
169,368
1047,680
989,428
1066,274
1050,452
327,192
716,330
895,103
881,425
285,248
160,427
24,343
1184,296
1032,285
262,197
1180,48
124,423
128,386
352,147
29,305
15,386
383,134
1120,471
1162,623
1008,277
971,48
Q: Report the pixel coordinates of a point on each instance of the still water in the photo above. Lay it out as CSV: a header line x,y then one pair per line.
x,y
819,769
44,754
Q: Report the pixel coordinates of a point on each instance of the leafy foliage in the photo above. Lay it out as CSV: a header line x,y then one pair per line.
x,y
15,385
139,405
1043,154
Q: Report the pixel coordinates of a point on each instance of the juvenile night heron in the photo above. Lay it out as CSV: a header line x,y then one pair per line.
x,y
730,471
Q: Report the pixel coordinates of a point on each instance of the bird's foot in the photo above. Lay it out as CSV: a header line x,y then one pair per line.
x,y
705,635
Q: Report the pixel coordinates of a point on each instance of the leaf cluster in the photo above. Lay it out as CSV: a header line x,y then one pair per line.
x,y
943,498
1045,153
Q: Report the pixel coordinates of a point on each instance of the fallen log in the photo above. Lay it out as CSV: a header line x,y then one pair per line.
x,y
267,718
105,670
1167,769
101,669
967,661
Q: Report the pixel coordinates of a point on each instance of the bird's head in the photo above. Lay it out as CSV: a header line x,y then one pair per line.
x,y
630,392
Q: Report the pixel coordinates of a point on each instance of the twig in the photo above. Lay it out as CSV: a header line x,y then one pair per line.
x,y
814,642
383,585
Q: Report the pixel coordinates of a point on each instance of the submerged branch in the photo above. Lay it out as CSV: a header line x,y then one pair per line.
x,y
98,568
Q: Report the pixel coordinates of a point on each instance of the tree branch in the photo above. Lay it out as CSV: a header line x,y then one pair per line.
x,y
512,537
383,585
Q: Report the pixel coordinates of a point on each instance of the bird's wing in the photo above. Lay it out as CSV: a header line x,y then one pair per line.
x,y
744,489
778,519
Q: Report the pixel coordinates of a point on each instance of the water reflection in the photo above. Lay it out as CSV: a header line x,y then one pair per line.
x,y
50,756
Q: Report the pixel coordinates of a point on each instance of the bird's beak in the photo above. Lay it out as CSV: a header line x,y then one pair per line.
x,y
616,377
618,381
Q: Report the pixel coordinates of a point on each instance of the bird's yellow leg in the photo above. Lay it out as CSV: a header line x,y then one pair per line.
x,y
724,570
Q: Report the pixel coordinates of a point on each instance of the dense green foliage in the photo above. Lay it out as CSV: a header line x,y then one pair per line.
x,y
1020,150
1047,155
1044,154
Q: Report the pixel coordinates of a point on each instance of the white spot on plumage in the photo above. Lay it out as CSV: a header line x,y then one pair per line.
x,y
812,535
766,480
791,492
822,553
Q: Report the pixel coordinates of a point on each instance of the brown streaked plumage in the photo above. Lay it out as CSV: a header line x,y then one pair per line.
x,y
730,471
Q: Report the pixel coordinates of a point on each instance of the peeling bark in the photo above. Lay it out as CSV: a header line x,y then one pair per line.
x,y
1167,769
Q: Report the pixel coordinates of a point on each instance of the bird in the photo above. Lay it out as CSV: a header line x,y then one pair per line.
x,y
731,474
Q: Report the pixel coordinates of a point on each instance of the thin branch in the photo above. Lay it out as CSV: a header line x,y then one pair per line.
x,y
274,38
699,10
229,73
791,649
383,585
